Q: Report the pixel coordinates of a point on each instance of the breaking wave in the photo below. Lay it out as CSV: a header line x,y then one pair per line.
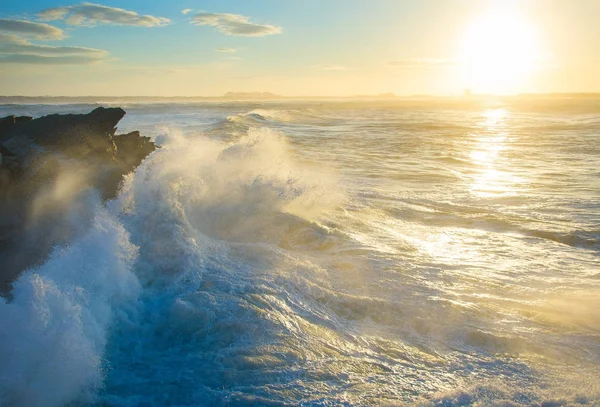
x,y
235,268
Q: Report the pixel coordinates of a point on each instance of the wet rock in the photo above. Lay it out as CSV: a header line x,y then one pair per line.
x,y
48,166
132,148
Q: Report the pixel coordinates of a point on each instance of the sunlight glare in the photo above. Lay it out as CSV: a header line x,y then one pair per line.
x,y
499,53
492,178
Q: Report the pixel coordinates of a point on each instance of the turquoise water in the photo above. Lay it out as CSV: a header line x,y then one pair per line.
x,y
413,252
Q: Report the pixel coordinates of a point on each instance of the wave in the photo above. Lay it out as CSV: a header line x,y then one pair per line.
x,y
496,393
291,116
444,214
237,125
271,114
259,117
230,272
55,329
166,245
248,190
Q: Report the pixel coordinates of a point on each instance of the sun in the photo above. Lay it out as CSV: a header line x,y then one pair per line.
x,y
499,53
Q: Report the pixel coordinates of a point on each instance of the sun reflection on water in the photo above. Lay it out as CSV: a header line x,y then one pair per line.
x,y
493,176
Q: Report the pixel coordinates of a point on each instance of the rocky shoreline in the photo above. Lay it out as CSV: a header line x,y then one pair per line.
x,y
47,166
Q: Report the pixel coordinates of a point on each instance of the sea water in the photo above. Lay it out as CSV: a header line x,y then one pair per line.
x,y
438,252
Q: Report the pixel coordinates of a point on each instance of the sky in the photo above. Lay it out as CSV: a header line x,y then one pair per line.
x,y
298,48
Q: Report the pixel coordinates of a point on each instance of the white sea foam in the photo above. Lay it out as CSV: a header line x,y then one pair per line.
x,y
55,329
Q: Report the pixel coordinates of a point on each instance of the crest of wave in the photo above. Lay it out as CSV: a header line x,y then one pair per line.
x,y
197,191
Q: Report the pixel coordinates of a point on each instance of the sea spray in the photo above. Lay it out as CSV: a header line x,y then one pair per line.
x,y
234,191
54,330
213,221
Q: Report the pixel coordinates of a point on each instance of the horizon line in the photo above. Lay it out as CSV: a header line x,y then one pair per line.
x,y
272,96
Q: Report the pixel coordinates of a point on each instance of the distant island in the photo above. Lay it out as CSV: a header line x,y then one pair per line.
x,y
252,95
388,95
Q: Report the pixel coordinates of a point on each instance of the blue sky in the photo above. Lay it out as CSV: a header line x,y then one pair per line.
x,y
310,47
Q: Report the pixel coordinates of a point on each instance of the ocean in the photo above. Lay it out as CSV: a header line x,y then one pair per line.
x,y
433,252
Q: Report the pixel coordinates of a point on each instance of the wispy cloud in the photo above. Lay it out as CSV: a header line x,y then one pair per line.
x,y
46,60
227,50
186,11
410,63
329,67
90,14
30,29
235,24
14,49
12,44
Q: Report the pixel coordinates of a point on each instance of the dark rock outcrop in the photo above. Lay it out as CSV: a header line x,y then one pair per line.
x,y
46,166
7,123
132,148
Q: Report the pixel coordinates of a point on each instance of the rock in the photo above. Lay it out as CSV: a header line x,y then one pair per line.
x,y
47,165
132,148
90,139
7,123
75,135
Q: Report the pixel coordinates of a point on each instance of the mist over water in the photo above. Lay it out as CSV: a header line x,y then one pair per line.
x,y
326,253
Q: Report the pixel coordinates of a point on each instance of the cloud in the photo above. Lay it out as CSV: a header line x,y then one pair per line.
x,y
234,24
29,29
411,63
11,44
89,14
46,60
227,50
328,67
186,11
17,50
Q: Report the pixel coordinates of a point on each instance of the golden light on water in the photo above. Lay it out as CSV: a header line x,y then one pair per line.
x,y
492,177
499,54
